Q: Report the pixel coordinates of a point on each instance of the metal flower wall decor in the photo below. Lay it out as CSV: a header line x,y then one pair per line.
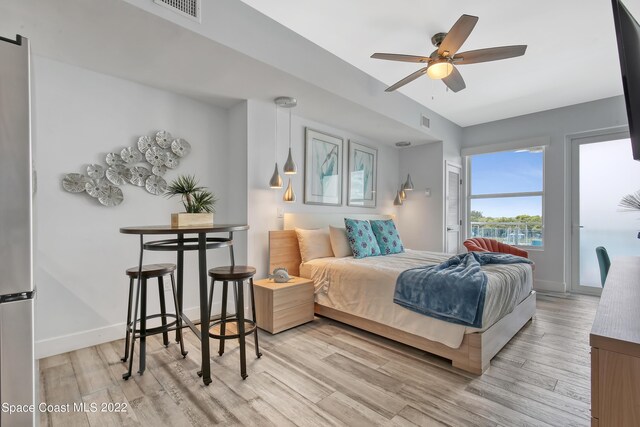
x,y
156,153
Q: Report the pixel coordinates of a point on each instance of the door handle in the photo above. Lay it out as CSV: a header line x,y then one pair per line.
x,y
449,229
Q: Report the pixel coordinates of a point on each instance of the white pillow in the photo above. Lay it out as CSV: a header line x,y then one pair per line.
x,y
339,242
314,243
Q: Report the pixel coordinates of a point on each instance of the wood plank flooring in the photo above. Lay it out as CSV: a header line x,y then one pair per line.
x,y
326,373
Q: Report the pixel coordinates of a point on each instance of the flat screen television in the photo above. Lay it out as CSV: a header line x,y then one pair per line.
x,y
628,35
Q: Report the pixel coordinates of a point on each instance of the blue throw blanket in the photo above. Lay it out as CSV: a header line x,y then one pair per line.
x,y
453,291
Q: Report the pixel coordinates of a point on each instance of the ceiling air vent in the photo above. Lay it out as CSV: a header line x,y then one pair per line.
x,y
424,121
188,8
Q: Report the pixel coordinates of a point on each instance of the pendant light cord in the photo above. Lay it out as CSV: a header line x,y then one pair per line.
x,y
275,151
289,128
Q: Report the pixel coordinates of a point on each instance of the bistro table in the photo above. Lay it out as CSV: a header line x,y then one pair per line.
x,y
180,244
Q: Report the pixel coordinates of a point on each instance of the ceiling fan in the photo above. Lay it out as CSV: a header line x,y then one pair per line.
x,y
441,64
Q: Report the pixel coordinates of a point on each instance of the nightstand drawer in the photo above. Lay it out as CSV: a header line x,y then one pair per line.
x,y
293,296
292,316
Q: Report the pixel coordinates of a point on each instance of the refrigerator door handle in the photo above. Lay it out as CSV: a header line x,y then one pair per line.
x,y
21,296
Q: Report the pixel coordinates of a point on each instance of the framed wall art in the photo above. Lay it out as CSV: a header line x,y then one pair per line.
x,y
362,177
322,169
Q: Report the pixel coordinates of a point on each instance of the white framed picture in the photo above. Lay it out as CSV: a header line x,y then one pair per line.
x,y
322,169
363,171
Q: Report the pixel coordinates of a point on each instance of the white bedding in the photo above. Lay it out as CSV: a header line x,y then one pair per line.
x,y
365,287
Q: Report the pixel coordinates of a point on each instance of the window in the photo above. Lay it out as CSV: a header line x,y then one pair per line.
x,y
506,196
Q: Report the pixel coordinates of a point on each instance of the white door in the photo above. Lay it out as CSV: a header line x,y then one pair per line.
x,y
453,184
602,172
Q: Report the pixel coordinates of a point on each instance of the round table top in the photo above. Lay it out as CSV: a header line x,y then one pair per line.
x,y
167,229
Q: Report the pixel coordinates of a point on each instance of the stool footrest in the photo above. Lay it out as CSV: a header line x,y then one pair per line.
x,y
249,328
171,326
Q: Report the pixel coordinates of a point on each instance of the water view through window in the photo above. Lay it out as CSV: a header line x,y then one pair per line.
x,y
506,196
607,173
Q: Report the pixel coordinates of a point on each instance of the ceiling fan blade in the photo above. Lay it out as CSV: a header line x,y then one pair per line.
x,y
457,34
402,58
454,81
490,54
409,78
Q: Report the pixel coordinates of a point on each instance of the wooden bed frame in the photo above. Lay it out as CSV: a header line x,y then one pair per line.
x,y
473,355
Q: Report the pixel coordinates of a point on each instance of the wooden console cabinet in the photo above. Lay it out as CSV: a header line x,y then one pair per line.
x,y
615,348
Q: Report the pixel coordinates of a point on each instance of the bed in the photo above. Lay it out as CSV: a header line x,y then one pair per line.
x,y
360,293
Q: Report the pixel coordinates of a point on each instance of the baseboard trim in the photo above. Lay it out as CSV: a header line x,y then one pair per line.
x,y
549,286
65,343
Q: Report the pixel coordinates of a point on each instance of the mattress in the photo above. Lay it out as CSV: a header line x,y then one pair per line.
x,y
365,287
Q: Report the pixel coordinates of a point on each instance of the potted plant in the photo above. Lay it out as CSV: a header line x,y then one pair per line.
x,y
198,202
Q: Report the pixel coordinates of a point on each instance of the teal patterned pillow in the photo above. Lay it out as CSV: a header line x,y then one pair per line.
x,y
387,236
361,239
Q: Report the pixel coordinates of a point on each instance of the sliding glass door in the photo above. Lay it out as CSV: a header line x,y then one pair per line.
x,y
603,172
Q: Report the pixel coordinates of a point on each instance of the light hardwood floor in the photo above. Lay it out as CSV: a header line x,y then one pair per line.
x,y
326,373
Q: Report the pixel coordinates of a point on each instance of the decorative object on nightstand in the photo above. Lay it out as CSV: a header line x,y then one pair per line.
x,y
280,275
198,202
281,306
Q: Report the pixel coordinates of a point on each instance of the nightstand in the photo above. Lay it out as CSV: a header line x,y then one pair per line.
x,y
281,306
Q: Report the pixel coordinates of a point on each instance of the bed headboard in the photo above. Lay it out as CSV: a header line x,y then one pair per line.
x,y
284,251
283,244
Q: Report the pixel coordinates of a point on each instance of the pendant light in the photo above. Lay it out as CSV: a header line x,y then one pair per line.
x,y
289,195
408,185
276,180
402,194
290,167
397,201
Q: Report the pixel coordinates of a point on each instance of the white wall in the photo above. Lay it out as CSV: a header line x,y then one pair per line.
x,y
420,218
264,202
79,116
236,177
552,263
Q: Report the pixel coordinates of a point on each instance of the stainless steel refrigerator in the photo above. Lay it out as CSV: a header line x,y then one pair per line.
x,y
17,361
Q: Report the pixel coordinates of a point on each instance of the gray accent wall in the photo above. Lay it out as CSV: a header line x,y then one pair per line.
x,y
553,262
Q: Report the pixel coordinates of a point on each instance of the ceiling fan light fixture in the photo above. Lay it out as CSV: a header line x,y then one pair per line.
x,y
439,69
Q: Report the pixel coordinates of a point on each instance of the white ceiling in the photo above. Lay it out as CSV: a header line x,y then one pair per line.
x,y
571,56
148,49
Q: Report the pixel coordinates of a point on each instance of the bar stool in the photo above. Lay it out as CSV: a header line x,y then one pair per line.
x,y
237,275
134,331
